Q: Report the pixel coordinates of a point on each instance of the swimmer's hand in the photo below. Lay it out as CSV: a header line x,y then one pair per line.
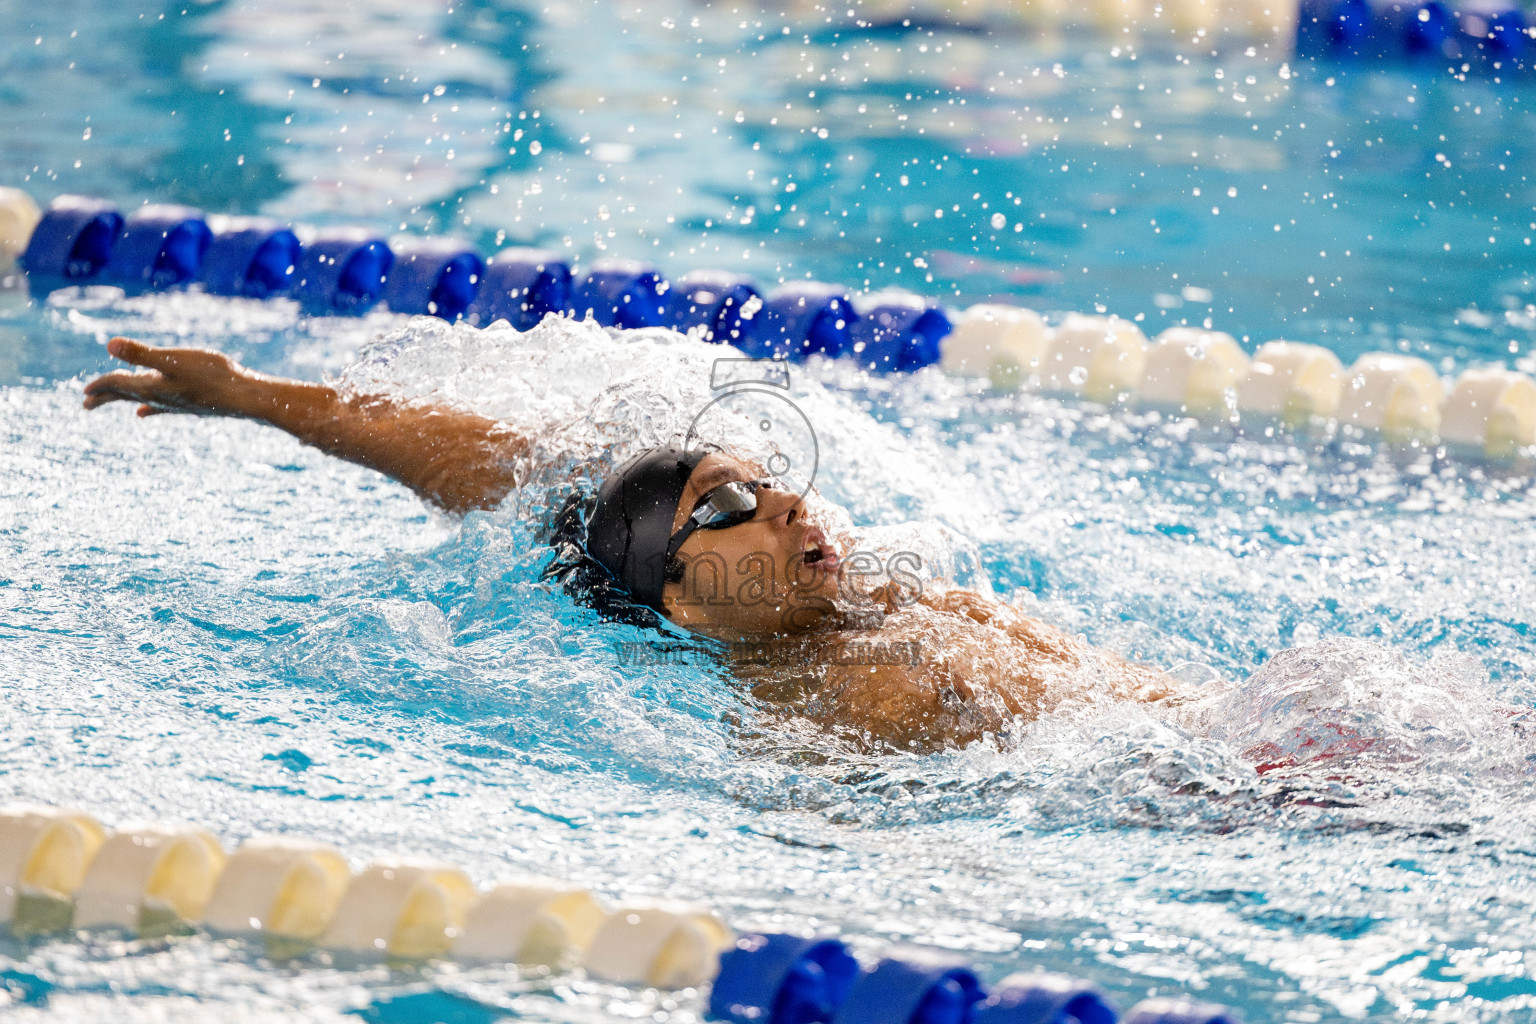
x,y
453,458
189,380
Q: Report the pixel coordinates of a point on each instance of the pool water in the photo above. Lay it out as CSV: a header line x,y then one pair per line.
x,y
205,622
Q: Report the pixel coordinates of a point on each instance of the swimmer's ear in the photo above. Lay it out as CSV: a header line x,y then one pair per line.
x,y
673,609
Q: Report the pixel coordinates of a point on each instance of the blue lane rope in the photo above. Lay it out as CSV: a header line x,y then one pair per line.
x,y
347,271
73,241
917,989
433,277
782,979
622,293
717,302
801,318
1042,998
1482,36
342,271
899,336
159,247
788,979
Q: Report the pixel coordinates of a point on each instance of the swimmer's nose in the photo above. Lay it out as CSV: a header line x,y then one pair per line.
x,y
777,503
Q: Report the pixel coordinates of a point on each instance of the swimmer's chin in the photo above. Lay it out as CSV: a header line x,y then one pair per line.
x,y
815,617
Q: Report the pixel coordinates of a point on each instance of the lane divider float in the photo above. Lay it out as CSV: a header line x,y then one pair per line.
x,y
149,880
19,215
44,855
1192,372
62,871
1292,382
249,257
1475,36
1005,344
1491,37
405,910
530,923
279,887
1397,397
1268,21
1488,413
1098,358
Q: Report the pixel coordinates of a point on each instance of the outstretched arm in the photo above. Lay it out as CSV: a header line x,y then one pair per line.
x,y
457,460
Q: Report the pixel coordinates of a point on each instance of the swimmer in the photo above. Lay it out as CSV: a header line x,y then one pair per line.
x,y
671,530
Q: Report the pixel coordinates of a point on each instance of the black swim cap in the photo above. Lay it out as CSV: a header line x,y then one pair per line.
x,y
631,523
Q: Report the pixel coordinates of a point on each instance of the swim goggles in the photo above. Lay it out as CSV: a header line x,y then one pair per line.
x,y
730,504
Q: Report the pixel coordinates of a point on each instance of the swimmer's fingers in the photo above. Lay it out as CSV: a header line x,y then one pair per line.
x,y
173,379
150,357
147,387
122,386
186,368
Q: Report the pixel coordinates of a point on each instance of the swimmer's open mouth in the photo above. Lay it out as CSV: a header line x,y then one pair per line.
x,y
818,551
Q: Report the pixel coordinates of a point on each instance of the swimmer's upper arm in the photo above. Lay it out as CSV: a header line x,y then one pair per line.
x,y
456,459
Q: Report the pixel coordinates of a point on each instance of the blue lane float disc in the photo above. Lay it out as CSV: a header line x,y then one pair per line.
x,y
252,257
901,336
782,979
1425,28
161,246
342,271
916,988
73,241
522,286
433,277
800,318
622,293
1498,32
1043,998
717,303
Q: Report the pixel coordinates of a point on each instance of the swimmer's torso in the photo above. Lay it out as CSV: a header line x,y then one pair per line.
x,y
953,667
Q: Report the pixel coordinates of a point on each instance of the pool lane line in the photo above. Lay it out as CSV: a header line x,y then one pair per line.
x,y
62,871
1486,414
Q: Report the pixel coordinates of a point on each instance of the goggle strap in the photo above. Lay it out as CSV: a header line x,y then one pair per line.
x,y
680,537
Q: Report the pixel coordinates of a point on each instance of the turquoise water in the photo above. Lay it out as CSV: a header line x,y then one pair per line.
x,y
204,622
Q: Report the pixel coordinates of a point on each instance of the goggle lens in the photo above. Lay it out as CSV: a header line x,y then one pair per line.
x,y
727,505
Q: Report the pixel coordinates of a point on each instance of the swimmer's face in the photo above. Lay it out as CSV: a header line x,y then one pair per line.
x,y
775,574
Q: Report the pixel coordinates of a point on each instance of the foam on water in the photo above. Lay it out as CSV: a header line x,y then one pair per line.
x,y
206,622
592,397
